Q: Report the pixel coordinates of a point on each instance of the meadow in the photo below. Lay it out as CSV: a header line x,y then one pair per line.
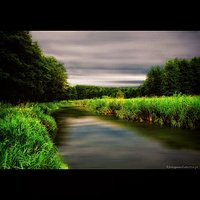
x,y
178,111
26,136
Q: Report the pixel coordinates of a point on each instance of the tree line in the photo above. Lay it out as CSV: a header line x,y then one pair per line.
x,y
89,92
26,73
176,76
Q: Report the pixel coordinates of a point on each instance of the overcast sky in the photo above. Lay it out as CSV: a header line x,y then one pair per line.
x,y
115,58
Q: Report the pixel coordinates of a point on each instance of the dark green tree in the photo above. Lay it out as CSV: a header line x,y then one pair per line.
x,y
54,79
185,76
195,67
72,93
26,74
170,78
153,82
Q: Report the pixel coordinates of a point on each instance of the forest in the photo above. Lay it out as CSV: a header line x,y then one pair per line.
x,y
33,85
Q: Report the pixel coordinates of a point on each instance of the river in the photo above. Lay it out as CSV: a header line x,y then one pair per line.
x,y
87,141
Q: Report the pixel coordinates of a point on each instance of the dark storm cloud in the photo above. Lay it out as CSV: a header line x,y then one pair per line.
x,y
105,58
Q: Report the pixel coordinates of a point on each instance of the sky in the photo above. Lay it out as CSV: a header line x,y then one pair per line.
x,y
115,58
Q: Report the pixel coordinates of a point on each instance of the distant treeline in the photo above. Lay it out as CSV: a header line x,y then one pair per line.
x,y
89,92
26,74
177,76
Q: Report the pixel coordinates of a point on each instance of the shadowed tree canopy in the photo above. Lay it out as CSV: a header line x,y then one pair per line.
x,y
153,82
171,77
88,92
177,76
26,74
195,70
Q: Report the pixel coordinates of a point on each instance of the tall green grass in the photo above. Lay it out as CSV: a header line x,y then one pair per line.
x,y
176,111
26,136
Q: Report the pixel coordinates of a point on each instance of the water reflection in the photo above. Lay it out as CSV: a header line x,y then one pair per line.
x,y
88,141
170,137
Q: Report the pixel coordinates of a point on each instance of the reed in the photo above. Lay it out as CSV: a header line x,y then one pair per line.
x,y
176,111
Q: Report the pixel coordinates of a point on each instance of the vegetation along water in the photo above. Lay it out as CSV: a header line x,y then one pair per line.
x,y
26,134
176,111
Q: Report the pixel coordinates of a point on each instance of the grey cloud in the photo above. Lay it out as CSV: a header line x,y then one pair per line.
x,y
89,71
127,82
87,53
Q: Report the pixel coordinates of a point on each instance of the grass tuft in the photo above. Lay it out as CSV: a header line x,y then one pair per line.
x,y
26,136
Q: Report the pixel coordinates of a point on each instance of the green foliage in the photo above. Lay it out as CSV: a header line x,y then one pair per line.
x,y
72,93
54,79
170,78
26,133
89,92
178,111
107,106
177,75
26,74
186,77
120,94
195,66
153,82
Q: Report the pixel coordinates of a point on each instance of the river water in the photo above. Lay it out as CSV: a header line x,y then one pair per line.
x,y
87,141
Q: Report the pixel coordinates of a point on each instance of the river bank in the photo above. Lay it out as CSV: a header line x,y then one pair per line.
x,y
176,111
27,132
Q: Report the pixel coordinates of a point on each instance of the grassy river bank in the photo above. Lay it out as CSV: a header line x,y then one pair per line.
x,y
26,136
176,111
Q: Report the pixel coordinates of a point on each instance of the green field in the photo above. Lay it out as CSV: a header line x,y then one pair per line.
x,y
26,136
176,111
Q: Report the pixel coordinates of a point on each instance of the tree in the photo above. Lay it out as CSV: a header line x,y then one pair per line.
x,y
195,67
170,78
26,74
54,79
153,82
186,76
177,76
130,92
120,94
72,93
17,59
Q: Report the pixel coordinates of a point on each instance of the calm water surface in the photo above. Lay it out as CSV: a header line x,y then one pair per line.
x,y
87,141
